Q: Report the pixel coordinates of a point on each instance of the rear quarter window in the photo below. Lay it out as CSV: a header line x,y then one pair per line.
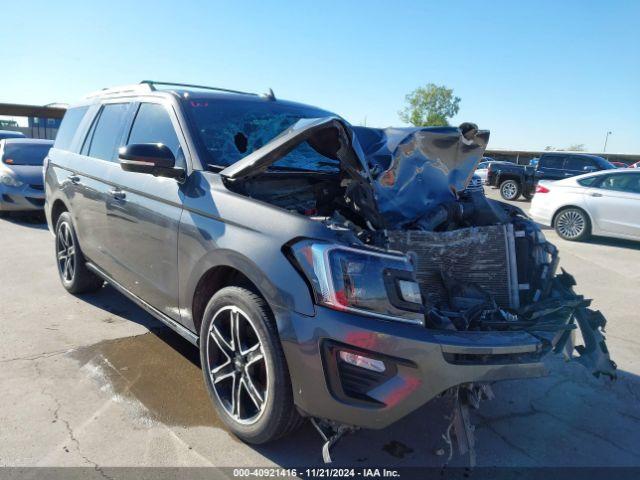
x,y
105,135
69,126
589,181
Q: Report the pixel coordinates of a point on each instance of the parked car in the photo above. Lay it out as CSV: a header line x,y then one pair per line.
x,y
605,203
483,168
21,183
619,164
515,180
11,134
323,270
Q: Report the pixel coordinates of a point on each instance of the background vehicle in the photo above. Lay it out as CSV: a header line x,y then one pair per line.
x,y
635,165
619,164
483,168
11,134
515,180
604,203
21,183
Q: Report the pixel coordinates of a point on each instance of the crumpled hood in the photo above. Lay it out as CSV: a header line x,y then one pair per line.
x,y
417,169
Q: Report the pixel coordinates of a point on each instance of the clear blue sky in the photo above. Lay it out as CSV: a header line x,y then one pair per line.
x,y
535,73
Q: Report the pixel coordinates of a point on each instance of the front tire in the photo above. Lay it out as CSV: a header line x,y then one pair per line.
x,y
244,367
74,274
510,190
572,224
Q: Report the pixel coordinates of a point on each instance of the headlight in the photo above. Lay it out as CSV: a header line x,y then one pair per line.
x,y
10,180
361,281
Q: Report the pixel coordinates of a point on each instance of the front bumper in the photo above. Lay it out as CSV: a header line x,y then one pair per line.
x,y
23,198
420,363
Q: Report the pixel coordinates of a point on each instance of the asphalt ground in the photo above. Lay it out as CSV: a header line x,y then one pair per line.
x,y
95,381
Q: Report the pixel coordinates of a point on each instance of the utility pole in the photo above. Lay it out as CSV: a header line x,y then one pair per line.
x,y
605,141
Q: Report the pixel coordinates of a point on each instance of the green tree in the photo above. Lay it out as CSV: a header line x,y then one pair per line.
x,y
576,147
430,106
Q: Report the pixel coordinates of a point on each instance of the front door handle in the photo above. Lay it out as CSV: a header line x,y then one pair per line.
x,y
596,194
75,179
117,194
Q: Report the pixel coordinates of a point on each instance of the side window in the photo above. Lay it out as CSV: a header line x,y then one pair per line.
x,y
622,183
67,130
153,125
104,136
552,161
580,164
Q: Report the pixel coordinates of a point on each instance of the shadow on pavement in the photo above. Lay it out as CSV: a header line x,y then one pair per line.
x,y
27,219
614,242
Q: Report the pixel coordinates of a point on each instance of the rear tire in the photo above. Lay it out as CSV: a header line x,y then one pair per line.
x,y
75,276
510,190
572,224
244,368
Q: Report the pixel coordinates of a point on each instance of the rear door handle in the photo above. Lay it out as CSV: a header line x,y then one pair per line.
x,y
595,194
117,194
75,179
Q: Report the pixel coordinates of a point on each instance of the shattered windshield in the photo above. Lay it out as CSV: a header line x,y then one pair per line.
x,y
232,129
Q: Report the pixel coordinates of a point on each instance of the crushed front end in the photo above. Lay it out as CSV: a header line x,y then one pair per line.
x,y
425,287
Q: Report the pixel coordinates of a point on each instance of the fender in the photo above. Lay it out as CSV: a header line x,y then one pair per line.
x,y
276,295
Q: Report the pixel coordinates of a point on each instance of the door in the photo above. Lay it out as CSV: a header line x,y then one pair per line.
x,y
577,165
144,215
89,180
615,204
550,167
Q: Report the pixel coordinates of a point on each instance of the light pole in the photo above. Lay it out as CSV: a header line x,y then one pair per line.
x,y
605,142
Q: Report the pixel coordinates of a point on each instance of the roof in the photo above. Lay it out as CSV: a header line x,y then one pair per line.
x,y
575,154
537,153
185,91
148,86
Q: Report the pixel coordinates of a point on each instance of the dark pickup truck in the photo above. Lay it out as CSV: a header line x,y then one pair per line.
x,y
515,180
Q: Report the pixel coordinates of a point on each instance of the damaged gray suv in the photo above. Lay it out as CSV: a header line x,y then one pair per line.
x,y
338,273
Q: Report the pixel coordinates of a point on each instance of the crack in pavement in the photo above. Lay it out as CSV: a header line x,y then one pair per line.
x,y
70,433
37,356
585,430
508,442
487,422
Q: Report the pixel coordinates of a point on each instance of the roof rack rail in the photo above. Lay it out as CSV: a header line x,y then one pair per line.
x,y
153,83
134,88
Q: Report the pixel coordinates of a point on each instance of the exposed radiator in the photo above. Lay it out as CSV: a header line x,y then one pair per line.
x,y
482,258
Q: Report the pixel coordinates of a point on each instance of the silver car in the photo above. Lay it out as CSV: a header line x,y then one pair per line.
x,y
21,182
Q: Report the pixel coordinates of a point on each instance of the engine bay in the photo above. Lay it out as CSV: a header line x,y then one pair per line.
x,y
480,264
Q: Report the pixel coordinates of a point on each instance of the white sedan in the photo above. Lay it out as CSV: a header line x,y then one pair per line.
x,y
605,203
481,171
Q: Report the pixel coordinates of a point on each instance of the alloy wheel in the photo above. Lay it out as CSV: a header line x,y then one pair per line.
x,y
236,365
570,224
66,252
509,190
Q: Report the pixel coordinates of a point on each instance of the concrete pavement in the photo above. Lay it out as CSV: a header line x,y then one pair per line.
x,y
95,381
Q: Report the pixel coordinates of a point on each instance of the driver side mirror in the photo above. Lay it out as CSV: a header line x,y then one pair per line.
x,y
154,158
